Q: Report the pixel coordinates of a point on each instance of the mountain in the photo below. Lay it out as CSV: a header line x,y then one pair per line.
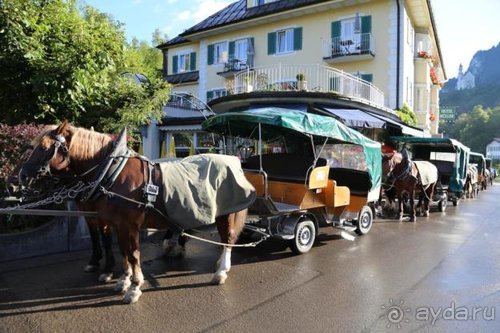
x,y
485,66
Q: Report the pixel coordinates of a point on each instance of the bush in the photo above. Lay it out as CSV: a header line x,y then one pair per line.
x,y
13,142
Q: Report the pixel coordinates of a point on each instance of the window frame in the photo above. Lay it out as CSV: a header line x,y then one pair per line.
x,y
187,62
219,49
289,41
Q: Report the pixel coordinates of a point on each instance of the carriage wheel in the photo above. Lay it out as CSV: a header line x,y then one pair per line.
x,y
365,221
455,201
305,234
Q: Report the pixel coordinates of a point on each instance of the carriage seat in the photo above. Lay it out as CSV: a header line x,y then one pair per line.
x,y
357,181
291,168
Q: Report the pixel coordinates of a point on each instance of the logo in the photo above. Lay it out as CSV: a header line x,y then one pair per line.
x,y
395,314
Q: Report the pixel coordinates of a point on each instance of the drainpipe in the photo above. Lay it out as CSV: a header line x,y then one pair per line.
x,y
398,53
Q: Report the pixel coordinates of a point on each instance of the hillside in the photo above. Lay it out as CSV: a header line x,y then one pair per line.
x,y
485,65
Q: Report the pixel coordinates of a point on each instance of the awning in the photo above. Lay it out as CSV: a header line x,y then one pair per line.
x,y
405,129
356,118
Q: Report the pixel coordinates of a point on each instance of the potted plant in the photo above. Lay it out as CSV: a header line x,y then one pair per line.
x,y
301,81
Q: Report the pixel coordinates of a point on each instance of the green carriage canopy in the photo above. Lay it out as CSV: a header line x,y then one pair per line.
x,y
275,121
445,145
478,159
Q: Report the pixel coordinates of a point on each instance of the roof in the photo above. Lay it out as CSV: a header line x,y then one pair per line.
x,y
275,121
183,77
238,12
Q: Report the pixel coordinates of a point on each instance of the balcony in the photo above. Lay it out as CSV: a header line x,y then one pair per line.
x,y
343,49
317,78
232,66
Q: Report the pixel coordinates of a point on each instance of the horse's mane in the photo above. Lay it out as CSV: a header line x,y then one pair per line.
x,y
86,144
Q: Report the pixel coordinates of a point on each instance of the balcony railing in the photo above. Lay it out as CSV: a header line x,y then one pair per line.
x,y
235,65
318,78
358,44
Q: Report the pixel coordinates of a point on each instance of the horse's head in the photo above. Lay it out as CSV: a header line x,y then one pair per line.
x,y
50,153
13,184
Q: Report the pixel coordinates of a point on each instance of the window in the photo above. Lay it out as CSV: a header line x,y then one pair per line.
x,y
220,53
352,35
184,62
241,50
213,94
284,41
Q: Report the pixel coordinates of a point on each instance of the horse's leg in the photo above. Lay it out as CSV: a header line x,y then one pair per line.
x,y
229,228
401,205
430,194
107,242
123,283
134,257
93,264
412,206
174,244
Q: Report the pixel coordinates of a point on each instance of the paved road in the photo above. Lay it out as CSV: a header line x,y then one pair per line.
x,y
431,276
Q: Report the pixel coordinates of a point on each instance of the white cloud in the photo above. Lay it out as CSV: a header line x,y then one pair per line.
x,y
184,15
208,7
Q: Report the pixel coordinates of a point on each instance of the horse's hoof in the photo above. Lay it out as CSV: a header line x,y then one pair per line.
x,y
172,250
105,277
91,268
122,285
132,295
219,278
426,214
412,219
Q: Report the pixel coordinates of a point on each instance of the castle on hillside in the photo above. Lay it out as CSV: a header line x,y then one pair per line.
x,y
467,81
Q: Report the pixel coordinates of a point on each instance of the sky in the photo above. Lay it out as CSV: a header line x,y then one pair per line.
x,y
463,26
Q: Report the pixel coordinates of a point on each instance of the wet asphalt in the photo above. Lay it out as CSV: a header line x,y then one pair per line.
x,y
440,274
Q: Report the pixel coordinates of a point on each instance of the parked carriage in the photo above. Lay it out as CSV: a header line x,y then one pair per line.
x,y
450,157
308,171
483,173
491,169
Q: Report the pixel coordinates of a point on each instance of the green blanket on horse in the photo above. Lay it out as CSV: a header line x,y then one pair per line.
x,y
199,188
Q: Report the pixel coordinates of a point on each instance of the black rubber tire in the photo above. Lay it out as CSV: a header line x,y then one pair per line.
x,y
443,203
305,235
365,221
455,201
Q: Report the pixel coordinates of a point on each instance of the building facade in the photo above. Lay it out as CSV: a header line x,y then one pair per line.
x,y
385,53
493,149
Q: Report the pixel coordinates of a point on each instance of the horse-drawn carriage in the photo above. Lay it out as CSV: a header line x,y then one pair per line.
x,y
450,158
308,171
491,169
483,173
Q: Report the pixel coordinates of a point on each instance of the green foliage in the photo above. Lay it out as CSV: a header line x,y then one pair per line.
x,y
477,128
407,115
58,61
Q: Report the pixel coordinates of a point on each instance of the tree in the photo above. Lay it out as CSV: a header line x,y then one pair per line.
x,y
141,57
407,115
58,62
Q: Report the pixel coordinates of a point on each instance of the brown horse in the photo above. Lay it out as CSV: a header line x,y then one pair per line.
x,y
406,178
125,203
98,229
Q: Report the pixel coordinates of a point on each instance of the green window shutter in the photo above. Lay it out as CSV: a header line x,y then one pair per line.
x,y
271,43
231,50
175,64
192,61
297,39
336,29
366,29
210,54
210,95
367,77
366,24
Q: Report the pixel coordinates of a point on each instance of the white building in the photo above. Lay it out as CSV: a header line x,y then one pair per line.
x,y
465,81
493,149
